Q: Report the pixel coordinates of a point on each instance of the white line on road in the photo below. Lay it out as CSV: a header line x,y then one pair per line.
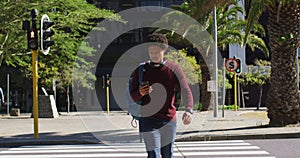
x,y
221,149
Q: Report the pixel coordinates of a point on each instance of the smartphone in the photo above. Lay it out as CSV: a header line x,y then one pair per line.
x,y
145,83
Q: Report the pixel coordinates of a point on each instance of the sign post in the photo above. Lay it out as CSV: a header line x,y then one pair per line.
x,y
235,92
233,65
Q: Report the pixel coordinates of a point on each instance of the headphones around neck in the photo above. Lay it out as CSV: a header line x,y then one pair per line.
x,y
157,65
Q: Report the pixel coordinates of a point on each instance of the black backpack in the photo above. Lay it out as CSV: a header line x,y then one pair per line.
x,y
134,108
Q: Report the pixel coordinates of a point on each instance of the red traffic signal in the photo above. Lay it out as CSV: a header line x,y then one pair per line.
x,y
32,39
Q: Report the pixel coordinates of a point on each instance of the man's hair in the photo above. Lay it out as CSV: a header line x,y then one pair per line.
x,y
159,39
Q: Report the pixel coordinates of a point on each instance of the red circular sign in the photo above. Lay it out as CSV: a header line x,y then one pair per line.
x,y
231,64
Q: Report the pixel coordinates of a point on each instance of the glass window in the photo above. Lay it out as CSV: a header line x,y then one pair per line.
x,y
164,3
151,3
178,2
167,3
114,5
154,3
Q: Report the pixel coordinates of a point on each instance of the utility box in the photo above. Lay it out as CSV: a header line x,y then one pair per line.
x,y
15,112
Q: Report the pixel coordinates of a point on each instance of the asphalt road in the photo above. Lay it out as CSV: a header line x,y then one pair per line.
x,y
280,148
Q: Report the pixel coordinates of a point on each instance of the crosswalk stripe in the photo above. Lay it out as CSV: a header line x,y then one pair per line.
x,y
90,155
138,145
212,142
120,155
73,151
248,157
220,144
124,149
86,147
221,149
257,152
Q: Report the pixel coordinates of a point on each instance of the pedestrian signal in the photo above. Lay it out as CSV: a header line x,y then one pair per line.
x,y
32,39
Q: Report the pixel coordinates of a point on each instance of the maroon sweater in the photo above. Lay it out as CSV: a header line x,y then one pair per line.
x,y
164,80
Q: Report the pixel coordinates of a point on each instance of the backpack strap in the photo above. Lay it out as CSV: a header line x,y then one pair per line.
x,y
134,122
141,72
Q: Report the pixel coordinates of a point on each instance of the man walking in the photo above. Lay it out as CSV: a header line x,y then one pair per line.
x,y
157,92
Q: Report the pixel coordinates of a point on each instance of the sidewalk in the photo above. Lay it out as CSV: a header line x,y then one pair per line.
x,y
100,127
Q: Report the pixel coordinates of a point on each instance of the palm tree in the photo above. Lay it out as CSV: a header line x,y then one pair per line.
x,y
283,26
229,31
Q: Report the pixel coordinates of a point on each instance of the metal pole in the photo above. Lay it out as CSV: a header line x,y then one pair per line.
x,y
235,92
238,91
243,97
34,14
7,94
54,88
224,87
68,98
297,67
107,93
35,93
215,57
107,99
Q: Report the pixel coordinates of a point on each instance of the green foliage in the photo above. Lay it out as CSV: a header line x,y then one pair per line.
x,y
256,75
197,107
73,19
228,107
187,63
12,37
220,77
230,26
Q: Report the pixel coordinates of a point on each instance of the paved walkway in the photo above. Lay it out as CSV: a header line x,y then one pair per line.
x,y
100,127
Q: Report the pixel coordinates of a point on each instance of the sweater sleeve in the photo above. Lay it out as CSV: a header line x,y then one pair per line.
x,y
186,93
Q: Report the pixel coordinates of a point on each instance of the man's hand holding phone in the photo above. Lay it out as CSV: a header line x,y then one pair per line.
x,y
145,88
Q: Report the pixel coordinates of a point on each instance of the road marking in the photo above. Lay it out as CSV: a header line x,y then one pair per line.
x,y
216,149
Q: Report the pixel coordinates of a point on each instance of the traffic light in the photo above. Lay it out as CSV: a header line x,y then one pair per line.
x,y
107,80
239,66
32,39
46,33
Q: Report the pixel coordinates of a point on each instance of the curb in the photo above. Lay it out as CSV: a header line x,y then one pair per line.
x,y
239,137
46,142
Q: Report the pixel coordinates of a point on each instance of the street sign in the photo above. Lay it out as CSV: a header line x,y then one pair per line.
x,y
231,64
211,86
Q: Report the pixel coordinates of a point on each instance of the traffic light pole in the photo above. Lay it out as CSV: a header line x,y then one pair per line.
x,y
35,92
34,14
107,94
235,92
32,38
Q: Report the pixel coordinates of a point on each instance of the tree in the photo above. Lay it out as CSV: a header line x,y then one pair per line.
x,y
73,20
189,66
230,30
187,63
283,97
12,37
256,75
